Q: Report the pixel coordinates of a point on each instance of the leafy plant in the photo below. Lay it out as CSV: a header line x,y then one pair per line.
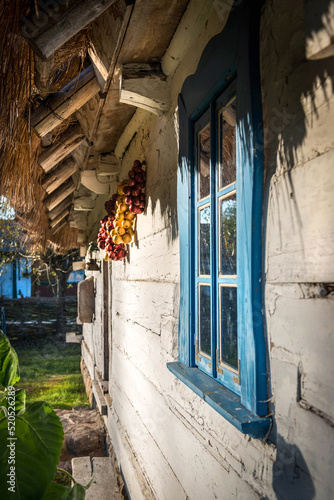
x,y
30,441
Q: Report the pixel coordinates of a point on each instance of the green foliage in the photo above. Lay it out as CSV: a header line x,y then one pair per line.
x,y
20,401
30,440
39,436
8,363
57,491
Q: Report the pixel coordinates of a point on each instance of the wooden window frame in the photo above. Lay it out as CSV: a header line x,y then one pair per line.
x,y
234,53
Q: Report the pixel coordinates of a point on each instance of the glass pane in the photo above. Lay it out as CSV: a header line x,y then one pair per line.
x,y
204,241
204,320
228,235
204,163
228,318
227,171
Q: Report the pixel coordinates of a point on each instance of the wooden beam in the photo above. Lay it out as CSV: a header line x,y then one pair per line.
x,y
65,102
43,74
58,196
59,226
78,220
65,144
59,21
144,88
60,217
58,176
103,49
83,204
59,208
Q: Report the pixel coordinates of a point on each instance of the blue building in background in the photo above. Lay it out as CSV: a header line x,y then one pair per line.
x,y
14,279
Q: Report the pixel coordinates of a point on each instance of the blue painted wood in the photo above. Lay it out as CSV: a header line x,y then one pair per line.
x,y
234,51
183,215
249,208
224,401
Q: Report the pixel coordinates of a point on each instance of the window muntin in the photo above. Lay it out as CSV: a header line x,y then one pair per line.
x,y
215,212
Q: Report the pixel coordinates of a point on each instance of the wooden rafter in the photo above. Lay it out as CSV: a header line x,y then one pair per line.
x,y
58,176
65,102
58,22
66,143
59,195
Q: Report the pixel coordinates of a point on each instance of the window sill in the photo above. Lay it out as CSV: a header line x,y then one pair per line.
x,y
224,401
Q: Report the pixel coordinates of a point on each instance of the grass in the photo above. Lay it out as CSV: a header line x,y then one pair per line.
x,y
50,371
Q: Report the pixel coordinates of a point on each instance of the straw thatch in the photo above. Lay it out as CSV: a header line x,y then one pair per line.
x,y
20,175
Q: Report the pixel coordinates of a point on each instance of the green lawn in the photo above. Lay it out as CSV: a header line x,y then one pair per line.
x,y
50,371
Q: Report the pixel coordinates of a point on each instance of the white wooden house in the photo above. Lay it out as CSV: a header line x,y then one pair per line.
x,y
210,349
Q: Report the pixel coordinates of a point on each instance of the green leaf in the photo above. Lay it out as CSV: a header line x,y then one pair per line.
x,y
39,437
60,492
20,401
8,362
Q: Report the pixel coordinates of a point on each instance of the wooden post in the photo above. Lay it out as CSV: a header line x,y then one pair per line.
x,y
58,196
59,208
60,217
65,102
58,22
63,147
58,176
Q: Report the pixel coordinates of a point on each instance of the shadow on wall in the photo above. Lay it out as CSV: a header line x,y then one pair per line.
x,y
292,90
291,477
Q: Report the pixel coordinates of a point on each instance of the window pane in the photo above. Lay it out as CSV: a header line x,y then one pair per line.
x,y
204,320
204,163
227,121
204,241
228,318
228,235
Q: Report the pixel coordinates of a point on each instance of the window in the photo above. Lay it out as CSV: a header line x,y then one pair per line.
x,y
214,207
222,351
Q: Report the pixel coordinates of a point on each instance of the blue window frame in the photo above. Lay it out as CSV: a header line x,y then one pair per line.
x,y
222,350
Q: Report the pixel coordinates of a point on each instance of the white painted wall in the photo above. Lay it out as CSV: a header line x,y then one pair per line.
x,y
170,444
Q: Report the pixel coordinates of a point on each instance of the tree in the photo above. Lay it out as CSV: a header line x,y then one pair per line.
x,y
59,266
9,234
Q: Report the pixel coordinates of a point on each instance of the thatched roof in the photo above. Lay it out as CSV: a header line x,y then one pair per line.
x,y
20,174
82,84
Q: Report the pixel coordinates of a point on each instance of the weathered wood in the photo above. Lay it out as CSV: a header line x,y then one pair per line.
x,y
144,88
65,102
43,74
59,226
59,22
105,41
59,208
79,220
66,143
90,181
58,196
84,203
60,217
58,176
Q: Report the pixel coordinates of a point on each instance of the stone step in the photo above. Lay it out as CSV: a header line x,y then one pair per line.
x,y
104,486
